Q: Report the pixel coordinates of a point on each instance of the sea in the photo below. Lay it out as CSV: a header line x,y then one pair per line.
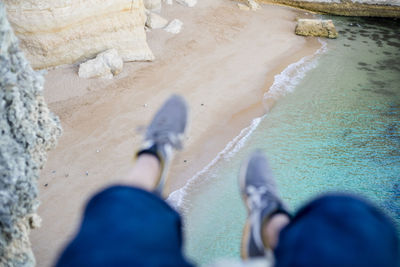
x,y
332,125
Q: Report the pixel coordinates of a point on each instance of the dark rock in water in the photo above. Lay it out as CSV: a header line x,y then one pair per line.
x,y
380,91
378,83
366,69
395,44
347,132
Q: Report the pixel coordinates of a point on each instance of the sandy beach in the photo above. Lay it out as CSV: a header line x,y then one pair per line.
x,y
222,62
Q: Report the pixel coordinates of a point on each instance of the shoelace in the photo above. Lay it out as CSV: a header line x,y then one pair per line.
x,y
166,137
254,200
256,203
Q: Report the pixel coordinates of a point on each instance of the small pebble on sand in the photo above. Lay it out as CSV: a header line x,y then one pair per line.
x,y
45,185
87,173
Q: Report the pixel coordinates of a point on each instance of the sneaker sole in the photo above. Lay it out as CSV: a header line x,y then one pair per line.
x,y
244,244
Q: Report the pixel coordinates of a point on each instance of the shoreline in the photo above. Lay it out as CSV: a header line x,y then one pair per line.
x,y
296,71
236,123
223,62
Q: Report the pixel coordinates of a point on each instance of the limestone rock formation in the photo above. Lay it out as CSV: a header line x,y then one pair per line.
x,y
27,131
373,8
174,26
106,65
316,27
155,21
55,32
189,3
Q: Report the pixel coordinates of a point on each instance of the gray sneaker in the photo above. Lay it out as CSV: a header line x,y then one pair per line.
x,y
165,133
259,192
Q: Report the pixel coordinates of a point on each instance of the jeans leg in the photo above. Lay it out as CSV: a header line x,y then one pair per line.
x,y
125,226
338,230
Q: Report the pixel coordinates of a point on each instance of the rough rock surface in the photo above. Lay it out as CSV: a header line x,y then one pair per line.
x,y
243,7
373,8
152,4
189,3
316,27
27,131
155,21
55,32
174,26
106,65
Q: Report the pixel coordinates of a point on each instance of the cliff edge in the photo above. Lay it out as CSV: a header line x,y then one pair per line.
x,y
27,131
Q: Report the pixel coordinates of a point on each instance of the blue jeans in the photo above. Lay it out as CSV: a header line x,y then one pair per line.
x,y
124,226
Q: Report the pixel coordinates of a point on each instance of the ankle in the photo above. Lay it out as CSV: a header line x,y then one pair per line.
x,y
272,227
151,151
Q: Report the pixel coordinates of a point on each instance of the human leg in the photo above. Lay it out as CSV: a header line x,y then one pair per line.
x,y
267,214
333,230
338,230
144,174
131,225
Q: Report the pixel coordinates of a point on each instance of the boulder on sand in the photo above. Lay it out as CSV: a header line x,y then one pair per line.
x,y
105,65
253,5
174,26
316,27
155,21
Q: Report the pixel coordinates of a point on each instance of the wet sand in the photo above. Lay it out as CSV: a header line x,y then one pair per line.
x,y
222,63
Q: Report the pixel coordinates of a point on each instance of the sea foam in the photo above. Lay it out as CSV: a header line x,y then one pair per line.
x,y
176,198
284,82
289,78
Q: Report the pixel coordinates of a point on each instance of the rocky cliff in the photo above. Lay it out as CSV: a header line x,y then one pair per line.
x,y
27,131
372,8
55,32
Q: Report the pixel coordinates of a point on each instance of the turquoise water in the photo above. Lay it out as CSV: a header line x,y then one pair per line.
x,y
339,129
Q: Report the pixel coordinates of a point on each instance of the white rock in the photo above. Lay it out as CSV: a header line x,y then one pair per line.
x,y
155,21
113,60
105,65
253,4
152,4
189,3
174,26
243,7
